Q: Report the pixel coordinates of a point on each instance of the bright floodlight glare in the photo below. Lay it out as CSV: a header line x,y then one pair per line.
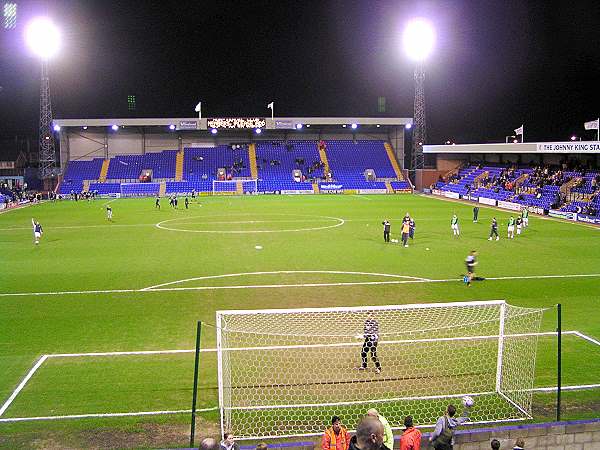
x,y
171,127
354,126
85,127
298,126
56,127
418,39
408,126
258,131
573,138
115,127
42,37
213,131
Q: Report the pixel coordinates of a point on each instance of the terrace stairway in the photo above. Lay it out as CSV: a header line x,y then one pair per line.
x,y
163,189
86,185
323,156
392,156
315,188
252,158
104,171
179,166
239,187
388,186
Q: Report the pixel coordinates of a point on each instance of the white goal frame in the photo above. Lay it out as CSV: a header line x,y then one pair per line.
x,y
497,332
254,186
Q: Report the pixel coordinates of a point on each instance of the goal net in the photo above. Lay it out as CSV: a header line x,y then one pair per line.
x,y
287,372
231,187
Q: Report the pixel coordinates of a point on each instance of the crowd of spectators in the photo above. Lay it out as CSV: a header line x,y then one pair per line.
x,y
373,432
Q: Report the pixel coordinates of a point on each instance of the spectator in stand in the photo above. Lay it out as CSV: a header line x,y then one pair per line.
x,y
411,438
519,444
229,443
442,437
261,446
388,439
495,444
209,444
369,435
336,436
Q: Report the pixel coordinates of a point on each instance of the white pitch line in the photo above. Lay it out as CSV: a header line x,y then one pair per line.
x,y
275,286
278,272
86,416
587,338
22,384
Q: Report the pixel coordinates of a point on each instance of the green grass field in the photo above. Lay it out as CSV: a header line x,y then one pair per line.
x,y
82,292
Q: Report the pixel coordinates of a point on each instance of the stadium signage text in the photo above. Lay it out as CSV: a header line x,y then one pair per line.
x,y
284,124
237,122
487,201
293,192
188,125
568,147
509,205
588,219
331,188
562,214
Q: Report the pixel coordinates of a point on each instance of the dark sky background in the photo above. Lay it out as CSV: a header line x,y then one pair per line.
x,y
496,64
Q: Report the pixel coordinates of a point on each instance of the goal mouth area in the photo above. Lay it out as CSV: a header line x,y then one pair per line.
x,y
287,372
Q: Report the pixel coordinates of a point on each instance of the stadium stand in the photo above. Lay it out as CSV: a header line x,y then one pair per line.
x,y
272,163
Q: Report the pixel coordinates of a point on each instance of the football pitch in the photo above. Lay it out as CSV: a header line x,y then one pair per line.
x,y
98,321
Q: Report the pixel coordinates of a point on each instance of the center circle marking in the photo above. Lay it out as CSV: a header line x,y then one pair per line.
x,y
339,223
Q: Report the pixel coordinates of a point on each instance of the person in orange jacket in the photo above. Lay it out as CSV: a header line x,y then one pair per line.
x,y
336,436
411,438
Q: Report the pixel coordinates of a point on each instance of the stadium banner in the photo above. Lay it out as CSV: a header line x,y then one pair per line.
x,y
569,147
425,190
509,205
371,191
487,201
436,192
299,192
449,194
562,214
284,125
237,122
588,219
331,188
187,125
536,210
470,198
2,205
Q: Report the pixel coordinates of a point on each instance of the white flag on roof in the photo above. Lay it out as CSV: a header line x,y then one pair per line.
x,y
270,105
593,125
519,130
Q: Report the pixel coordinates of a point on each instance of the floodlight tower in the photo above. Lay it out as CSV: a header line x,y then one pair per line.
x,y
43,38
418,39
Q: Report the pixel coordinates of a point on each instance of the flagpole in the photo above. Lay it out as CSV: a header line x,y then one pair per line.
x,y
273,111
598,129
522,133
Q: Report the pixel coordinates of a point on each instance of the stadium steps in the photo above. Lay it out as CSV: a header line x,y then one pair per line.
x,y
86,185
162,190
104,171
179,166
565,189
316,187
324,160
252,158
388,186
239,187
519,181
392,156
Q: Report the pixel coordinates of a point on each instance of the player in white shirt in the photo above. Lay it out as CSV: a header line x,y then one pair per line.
x,y
454,225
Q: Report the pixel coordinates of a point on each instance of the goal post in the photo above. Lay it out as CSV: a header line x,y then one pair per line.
x,y
286,372
233,187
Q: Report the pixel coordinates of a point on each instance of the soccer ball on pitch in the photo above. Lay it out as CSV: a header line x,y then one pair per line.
x,y
468,401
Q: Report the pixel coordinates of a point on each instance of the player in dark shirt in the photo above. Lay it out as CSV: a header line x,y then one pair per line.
x,y
386,230
371,336
157,203
411,231
187,202
494,230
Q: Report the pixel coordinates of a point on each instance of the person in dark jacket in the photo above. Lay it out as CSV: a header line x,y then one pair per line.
x,y
369,435
386,230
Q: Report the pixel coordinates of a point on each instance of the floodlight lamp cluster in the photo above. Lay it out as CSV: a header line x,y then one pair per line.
x,y
42,37
418,39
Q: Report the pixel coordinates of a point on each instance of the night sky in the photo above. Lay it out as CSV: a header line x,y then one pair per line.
x,y
496,64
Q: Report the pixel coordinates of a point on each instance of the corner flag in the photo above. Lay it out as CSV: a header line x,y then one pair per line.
x,y
272,108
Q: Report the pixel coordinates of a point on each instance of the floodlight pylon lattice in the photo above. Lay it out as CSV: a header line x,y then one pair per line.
x,y
47,150
420,123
